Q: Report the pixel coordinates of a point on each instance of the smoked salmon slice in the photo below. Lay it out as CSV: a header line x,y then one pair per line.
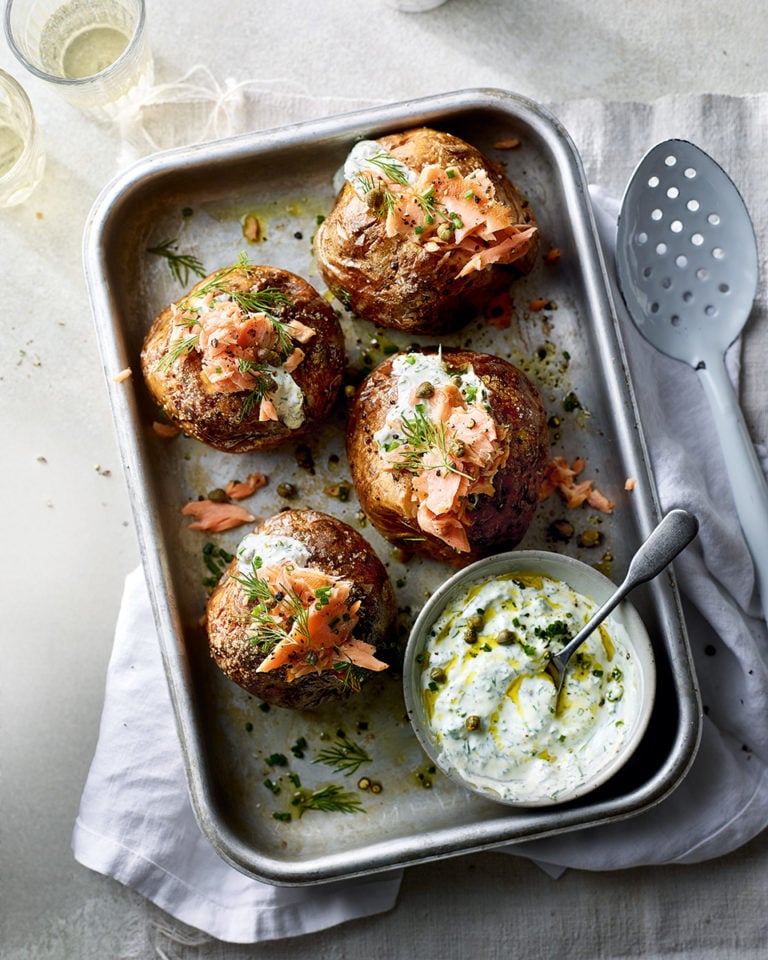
x,y
452,457
561,476
447,211
317,617
214,517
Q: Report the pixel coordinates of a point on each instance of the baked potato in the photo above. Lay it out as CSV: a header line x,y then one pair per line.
x,y
447,450
424,230
303,613
251,357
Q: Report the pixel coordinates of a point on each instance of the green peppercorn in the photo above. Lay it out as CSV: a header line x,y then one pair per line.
x,y
445,232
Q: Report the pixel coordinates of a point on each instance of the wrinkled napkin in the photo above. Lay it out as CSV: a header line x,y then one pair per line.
x,y
136,822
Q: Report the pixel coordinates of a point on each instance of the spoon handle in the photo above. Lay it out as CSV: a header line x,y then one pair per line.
x,y
676,530
750,491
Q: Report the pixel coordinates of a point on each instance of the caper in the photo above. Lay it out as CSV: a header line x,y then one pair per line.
x,y
472,723
459,448
445,232
425,390
505,636
437,674
272,357
475,621
311,658
218,495
287,490
469,635
374,198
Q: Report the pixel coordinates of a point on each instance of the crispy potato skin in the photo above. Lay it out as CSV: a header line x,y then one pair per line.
x,y
500,521
394,281
335,548
217,419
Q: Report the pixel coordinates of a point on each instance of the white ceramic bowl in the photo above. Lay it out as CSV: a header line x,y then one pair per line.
x,y
567,774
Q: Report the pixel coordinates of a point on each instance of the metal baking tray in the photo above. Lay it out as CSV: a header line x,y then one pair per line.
x,y
571,348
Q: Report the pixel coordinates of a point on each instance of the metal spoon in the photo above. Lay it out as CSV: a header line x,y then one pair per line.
x,y
686,259
674,532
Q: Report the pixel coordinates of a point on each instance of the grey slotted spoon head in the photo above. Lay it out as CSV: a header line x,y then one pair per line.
x,y
686,253
686,259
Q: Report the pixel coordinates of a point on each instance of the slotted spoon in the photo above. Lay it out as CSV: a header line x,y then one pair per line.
x,y
686,258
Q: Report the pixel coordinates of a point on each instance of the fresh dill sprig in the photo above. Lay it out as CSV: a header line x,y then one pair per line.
x,y
263,384
344,755
259,301
422,435
366,182
180,349
270,630
329,799
181,265
390,167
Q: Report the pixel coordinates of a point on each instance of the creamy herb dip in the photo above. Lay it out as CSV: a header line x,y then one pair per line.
x,y
490,701
271,550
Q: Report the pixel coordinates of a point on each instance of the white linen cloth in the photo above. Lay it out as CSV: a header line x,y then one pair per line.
x,y
135,821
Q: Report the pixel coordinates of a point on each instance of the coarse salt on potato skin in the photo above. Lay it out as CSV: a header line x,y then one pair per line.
x,y
221,420
394,281
336,549
498,522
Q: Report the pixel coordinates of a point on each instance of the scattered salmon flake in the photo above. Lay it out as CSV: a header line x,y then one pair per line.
x,y
629,483
122,375
539,303
510,143
165,430
215,517
561,476
240,489
451,449
340,491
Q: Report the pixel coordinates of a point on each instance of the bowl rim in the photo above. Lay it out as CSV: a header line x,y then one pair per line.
x,y
533,561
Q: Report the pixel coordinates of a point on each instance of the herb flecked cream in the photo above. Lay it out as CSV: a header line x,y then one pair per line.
x,y
487,702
